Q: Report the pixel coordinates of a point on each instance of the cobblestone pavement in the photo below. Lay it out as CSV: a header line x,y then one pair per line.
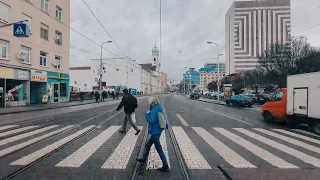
x,y
89,146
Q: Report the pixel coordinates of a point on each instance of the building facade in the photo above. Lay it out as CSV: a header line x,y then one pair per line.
x,y
163,81
191,78
210,73
35,66
251,27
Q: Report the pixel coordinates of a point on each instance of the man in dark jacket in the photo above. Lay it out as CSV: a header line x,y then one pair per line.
x,y
130,104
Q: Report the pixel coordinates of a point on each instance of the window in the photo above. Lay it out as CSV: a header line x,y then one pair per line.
x,y
63,89
94,71
4,13
117,69
154,59
57,62
75,82
58,39
43,58
25,54
44,31
131,69
26,17
85,85
45,5
96,79
277,96
59,13
4,48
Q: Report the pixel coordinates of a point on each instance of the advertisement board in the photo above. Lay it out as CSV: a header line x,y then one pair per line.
x,y
39,76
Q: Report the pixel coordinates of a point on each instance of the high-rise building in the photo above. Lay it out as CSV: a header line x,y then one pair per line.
x,y
36,66
192,78
251,27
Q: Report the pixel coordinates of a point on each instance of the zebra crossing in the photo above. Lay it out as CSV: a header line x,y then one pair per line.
x,y
296,144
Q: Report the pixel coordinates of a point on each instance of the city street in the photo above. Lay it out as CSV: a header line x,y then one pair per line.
x,y
204,141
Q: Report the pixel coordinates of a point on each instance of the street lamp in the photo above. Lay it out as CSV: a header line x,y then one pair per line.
x,y
210,42
101,69
184,81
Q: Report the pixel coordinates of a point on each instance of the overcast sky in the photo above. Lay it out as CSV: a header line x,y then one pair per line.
x,y
186,27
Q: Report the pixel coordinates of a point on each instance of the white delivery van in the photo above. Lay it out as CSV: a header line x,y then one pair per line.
x,y
303,99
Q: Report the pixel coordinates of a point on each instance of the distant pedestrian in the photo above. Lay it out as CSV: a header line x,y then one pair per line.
x,y
130,104
154,131
97,95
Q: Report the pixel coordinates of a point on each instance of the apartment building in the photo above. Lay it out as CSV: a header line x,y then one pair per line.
x,y
210,73
251,27
34,67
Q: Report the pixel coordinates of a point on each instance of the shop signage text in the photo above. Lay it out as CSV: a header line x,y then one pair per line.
x,y
23,75
40,76
15,88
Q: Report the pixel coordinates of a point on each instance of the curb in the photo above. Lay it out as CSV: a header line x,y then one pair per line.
x,y
211,102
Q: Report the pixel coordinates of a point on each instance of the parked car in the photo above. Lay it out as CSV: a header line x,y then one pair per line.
x,y
240,100
195,95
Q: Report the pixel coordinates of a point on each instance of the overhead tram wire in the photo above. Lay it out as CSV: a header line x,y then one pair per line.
x,y
76,31
308,29
103,27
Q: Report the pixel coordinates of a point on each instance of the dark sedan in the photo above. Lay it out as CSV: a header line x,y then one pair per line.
x,y
239,100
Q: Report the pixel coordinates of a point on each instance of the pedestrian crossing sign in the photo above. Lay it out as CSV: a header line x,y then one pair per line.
x,y
21,30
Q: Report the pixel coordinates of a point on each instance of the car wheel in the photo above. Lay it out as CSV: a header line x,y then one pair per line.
x,y
267,116
316,127
227,102
249,105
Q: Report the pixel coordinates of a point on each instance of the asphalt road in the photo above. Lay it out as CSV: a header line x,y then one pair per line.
x,y
211,141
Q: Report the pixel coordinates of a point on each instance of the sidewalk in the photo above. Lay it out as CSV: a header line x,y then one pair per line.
x,y
37,107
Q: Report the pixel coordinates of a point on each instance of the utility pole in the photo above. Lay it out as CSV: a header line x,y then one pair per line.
x,y
101,70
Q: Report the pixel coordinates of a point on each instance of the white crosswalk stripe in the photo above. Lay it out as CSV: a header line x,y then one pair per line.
x,y
42,152
154,161
16,130
225,152
306,132
290,140
190,153
24,135
263,154
7,127
224,146
31,141
82,154
300,155
299,136
120,157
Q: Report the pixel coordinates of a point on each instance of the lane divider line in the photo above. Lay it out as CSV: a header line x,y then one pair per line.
x,y
182,120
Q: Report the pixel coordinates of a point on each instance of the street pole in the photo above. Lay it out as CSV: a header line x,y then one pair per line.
x,y
184,84
101,69
218,75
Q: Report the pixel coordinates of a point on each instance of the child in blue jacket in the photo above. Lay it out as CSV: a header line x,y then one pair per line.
x,y
154,131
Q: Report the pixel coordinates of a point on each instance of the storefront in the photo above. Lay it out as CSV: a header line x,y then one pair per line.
x,y
38,86
58,87
14,87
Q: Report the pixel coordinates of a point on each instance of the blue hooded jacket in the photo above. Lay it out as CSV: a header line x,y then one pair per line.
x,y
153,120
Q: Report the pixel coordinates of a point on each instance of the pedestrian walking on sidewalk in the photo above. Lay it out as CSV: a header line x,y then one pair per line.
x,y
130,104
154,133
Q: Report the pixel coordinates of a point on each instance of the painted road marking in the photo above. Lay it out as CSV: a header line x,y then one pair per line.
x,y
182,120
120,157
31,141
228,154
229,116
263,154
16,130
81,155
191,155
154,161
300,155
306,132
7,127
46,150
24,135
290,140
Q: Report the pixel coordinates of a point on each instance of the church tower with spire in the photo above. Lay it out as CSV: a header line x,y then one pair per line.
x,y
155,58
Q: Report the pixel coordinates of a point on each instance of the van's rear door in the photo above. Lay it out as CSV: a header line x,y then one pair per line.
x,y
300,101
